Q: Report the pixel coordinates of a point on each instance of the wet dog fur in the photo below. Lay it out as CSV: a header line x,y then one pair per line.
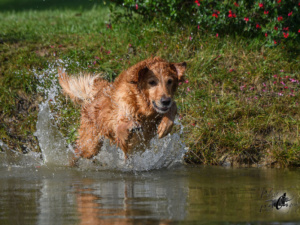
x,y
130,111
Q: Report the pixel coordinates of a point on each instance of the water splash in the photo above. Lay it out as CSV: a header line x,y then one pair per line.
x,y
10,158
55,149
162,153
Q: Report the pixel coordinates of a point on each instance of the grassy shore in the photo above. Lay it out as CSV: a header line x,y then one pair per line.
x,y
239,103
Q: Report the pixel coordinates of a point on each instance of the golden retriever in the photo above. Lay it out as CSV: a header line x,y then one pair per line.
x,y
130,111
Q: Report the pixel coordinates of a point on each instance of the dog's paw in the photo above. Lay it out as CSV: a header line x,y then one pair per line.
x,y
126,130
164,127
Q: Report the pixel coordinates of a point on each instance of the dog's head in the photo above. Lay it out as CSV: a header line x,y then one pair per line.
x,y
158,80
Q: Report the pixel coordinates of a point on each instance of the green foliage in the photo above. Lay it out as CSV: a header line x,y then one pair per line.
x,y
274,21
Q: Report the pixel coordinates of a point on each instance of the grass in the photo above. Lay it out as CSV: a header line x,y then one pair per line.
x,y
239,104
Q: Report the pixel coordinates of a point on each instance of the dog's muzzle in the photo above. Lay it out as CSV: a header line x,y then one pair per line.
x,y
164,106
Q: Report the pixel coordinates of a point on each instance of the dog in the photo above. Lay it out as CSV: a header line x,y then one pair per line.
x,y
130,111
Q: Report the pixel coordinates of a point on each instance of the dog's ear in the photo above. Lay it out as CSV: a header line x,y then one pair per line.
x,y
138,74
142,73
180,69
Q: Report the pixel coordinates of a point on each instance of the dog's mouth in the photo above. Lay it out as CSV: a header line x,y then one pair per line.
x,y
160,109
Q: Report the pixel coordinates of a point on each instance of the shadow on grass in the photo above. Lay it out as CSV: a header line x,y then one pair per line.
x,y
22,5
12,37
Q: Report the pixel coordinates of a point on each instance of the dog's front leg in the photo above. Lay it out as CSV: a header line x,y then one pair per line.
x,y
124,132
167,121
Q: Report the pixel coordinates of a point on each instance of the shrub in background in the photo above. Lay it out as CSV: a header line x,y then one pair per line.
x,y
274,20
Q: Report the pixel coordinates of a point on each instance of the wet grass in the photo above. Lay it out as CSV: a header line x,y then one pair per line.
x,y
240,101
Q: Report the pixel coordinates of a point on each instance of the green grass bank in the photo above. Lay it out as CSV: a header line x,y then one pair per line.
x,y
239,103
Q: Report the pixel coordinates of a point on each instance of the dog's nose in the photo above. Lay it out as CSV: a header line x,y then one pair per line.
x,y
166,101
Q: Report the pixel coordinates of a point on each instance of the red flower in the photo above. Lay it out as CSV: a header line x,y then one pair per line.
x,y
290,13
197,2
275,28
286,28
236,4
285,35
279,18
215,15
136,6
217,35
278,1
266,12
266,34
260,5
299,31
246,19
231,14
258,26
275,42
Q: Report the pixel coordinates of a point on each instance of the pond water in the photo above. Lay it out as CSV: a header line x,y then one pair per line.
x,y
180,195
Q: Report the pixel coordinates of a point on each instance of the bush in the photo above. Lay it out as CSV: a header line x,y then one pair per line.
x,y
275,21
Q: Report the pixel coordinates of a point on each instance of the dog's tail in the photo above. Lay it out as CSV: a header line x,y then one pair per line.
x,y
80,89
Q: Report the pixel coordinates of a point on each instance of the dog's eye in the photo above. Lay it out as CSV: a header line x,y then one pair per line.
x,y
152,82
170,81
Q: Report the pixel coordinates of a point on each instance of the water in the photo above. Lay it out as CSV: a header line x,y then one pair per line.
x,y
155,187
182,195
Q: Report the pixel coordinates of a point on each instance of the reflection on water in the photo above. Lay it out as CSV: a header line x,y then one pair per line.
x,y
55,204
41,195
122,201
